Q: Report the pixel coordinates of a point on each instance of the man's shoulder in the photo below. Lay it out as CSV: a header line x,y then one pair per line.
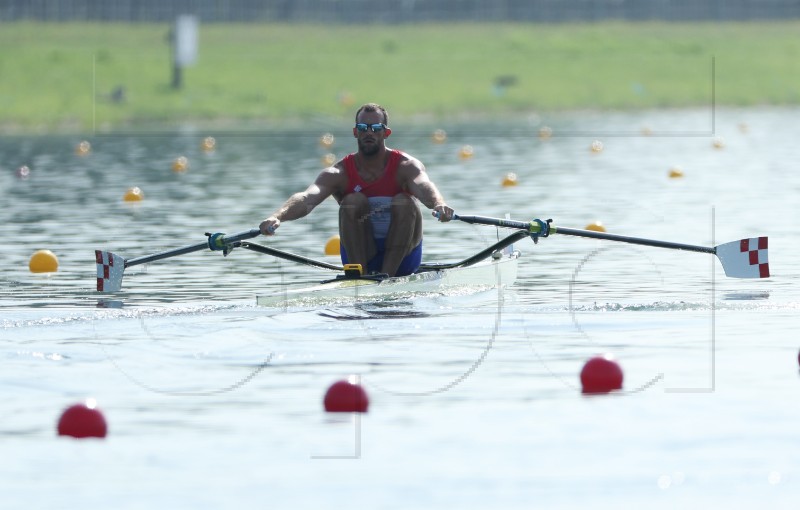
x,y
408,162
334,173
332,180
341,165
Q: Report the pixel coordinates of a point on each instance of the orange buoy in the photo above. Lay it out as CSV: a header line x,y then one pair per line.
x,y
83,148
329,159
43,261
596,226
510,179
675,172
333,246
209,144
327,140
466,152
133,194
180,165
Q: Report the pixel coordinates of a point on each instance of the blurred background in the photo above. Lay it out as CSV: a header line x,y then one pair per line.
x,y
401,11
102,66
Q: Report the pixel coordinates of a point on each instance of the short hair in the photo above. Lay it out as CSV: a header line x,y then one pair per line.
x,y
374,107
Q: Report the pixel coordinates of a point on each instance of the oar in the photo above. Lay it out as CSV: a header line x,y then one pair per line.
x,y
508,241
746,258
288,256
110,266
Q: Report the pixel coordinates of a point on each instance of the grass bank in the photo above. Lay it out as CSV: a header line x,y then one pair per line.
x,y
61,76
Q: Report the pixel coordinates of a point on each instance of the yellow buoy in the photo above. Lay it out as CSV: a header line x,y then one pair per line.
x,y
545,132
180,164
596,226
133,195
332,247
597,146
439,136
675,172
327,140
43,261
466,152
329,159
209,144
510,179
718,142
83,148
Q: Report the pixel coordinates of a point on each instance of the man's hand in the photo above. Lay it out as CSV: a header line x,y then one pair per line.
x,y
443,212
269,226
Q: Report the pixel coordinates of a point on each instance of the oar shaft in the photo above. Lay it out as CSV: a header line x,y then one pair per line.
x,y
630,240
535,228
485,220
483,254
195,247
260,248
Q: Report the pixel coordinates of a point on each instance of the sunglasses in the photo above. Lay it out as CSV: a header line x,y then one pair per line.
x,y
375,128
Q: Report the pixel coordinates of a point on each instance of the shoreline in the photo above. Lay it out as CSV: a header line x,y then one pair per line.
x,y
246,127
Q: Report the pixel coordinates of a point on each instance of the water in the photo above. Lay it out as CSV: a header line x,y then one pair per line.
x,y
475,400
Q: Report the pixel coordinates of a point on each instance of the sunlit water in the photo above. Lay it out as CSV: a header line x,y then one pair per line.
x,y
214,402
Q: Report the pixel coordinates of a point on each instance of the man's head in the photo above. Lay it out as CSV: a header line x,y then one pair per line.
x,y
371,128
374,108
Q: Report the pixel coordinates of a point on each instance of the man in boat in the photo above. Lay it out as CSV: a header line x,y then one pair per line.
x,y
380,224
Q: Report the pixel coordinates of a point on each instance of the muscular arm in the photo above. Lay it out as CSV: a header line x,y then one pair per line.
x,y
328,182
413,176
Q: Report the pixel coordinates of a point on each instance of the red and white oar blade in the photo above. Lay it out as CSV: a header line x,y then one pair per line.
x,y
746,258
110,267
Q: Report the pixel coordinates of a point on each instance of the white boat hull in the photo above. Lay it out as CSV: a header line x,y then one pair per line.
x,y
489,273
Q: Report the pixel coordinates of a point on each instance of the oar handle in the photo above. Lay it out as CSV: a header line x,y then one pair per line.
x,y
497,222
221,242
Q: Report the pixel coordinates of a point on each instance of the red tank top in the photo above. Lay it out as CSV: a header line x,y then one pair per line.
x,y
379,192
386,186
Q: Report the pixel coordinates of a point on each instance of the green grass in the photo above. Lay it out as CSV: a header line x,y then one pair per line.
x,y
58,76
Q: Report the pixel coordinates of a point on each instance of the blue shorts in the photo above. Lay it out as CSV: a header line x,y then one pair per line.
x,y
408,266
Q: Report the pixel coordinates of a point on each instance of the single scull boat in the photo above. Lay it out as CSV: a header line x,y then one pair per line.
x,y
499,270
495,266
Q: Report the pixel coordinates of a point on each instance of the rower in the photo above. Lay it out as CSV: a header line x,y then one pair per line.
x,y
377,189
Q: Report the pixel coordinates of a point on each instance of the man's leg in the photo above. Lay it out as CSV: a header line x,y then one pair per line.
x,y
405,232
355,229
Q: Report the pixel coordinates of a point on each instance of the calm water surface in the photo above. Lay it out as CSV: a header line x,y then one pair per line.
x,y
213,402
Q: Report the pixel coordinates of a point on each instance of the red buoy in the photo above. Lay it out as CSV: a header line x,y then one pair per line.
x,y
82,420
346,397
601,374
